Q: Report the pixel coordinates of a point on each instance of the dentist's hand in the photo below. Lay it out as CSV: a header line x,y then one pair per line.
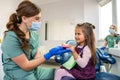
x,y
103,48
56,51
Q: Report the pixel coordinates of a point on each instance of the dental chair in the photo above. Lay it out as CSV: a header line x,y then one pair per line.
x,y
102,58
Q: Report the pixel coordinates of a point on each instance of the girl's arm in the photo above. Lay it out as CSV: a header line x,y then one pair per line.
x,y
83,61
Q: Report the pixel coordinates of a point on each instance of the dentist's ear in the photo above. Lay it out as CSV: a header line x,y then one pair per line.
x,y
24,19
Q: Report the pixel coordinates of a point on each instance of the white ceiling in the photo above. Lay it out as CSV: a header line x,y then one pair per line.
x,y
41,2
103,2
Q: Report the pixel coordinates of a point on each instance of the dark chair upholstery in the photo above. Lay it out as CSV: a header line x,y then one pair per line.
x,y
106,76
105,56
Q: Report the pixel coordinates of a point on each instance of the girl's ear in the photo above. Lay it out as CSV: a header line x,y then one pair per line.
x,y
86,38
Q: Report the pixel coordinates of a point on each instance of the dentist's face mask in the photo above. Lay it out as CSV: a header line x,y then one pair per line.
x,y
112,31
35,26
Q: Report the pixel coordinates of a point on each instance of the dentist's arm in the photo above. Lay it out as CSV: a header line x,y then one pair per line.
x,y
27,65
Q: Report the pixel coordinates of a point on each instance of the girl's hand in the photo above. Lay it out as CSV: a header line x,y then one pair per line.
x,y
69,46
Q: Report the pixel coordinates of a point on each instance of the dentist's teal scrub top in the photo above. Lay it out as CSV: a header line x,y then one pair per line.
x,y
11,48
111,40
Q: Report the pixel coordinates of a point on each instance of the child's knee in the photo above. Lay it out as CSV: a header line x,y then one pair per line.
x,y
59,71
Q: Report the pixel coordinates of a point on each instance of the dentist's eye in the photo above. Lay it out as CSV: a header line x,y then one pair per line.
x,y
37,18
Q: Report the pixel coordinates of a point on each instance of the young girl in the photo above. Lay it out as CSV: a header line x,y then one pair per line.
x,y
84,54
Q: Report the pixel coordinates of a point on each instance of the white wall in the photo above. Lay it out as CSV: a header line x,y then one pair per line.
x,y
118,15
7,7
61,17
91,14
68,13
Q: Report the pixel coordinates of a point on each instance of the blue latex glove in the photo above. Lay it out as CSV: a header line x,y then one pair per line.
x,y
103,48
56,51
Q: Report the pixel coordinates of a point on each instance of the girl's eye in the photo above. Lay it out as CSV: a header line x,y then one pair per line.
x,y
77,34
